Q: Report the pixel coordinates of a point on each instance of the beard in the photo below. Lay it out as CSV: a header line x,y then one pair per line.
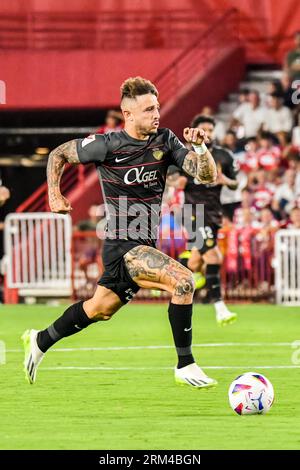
x,y
147,131
152,131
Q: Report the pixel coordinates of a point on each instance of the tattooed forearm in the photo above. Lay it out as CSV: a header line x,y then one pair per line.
x,y
56,162
58,157
202,167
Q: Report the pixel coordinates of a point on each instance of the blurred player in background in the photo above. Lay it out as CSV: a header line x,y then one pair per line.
x,y
208,257
133,165
113,122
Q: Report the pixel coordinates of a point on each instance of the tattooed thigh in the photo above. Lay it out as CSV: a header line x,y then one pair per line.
x,y
150,268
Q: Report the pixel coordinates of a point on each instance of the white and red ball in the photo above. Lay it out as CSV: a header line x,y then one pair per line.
x,y
251,393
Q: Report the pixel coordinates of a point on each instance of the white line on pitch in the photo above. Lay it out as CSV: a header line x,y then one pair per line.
x,y
199,345
165,368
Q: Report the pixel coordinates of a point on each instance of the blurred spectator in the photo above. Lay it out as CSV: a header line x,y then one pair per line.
x,y
173,236
113,122
90,246
296,134
286,194
174,194
243,95
294,218
267,220
223,234
275,86
268,154
262,189
281,88
292,60
286,148
250,115
247,218
91,222
230,141
246,203
278,118
231,199
220,127
247,160
293,161
287,91
267,226
247,199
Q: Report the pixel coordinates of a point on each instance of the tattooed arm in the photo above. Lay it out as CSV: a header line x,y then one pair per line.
x,y
202,167
57,158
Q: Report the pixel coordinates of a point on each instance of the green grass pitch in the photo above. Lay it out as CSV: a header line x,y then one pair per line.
x,y
123,396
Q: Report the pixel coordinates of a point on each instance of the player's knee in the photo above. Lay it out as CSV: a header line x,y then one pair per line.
x,y
101,315
99,312
185,286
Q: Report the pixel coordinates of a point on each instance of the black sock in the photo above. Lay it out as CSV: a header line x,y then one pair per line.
x,y
213,282
73,320
180,317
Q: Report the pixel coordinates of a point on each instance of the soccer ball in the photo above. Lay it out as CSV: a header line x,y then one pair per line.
x,y
251,394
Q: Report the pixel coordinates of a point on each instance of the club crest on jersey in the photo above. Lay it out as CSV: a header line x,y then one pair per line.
x,y
157,154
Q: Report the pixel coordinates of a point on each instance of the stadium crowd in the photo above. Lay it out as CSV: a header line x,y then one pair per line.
x,y
263,136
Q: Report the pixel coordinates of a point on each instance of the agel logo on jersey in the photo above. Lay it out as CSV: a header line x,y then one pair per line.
x,y
136,175
157,154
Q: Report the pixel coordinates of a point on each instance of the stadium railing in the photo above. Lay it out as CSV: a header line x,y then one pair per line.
x,y
39,245
72,176
247,272
37,258
287,267
204,47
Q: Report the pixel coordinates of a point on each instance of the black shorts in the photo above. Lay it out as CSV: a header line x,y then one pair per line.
x,y
208,237
116,276
209,241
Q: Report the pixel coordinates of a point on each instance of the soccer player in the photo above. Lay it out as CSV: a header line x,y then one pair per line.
x,y
132,165
208,194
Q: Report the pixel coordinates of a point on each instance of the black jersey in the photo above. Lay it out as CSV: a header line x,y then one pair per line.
x,y
132,175
209,194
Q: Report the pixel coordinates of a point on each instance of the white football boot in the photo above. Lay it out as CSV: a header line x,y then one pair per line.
x,y
193,376
223,316
33,354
